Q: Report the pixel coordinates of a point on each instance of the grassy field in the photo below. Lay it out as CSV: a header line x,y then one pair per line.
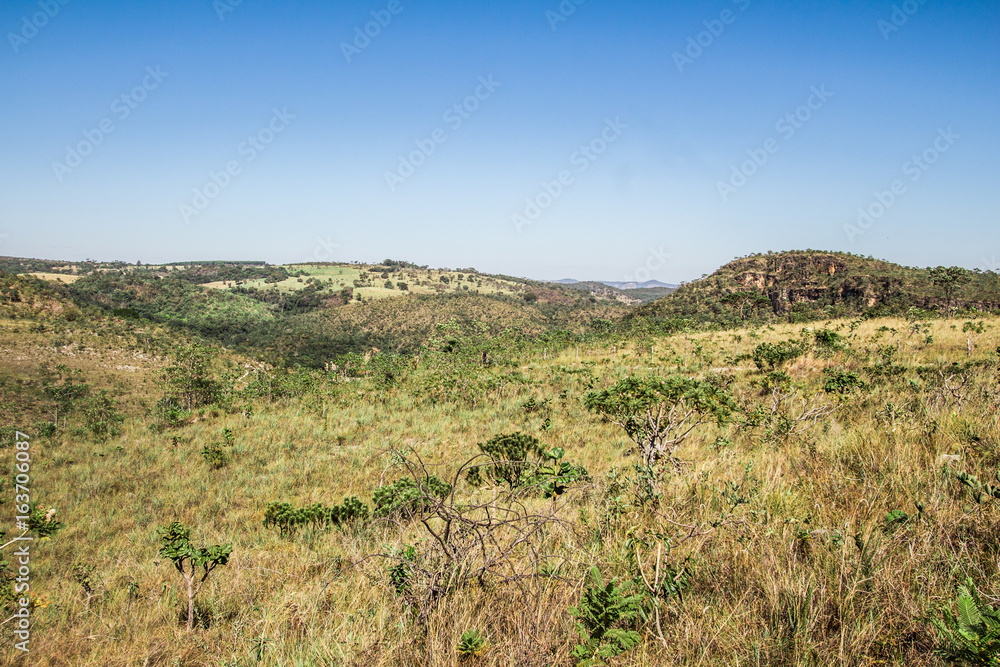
x,y
335,278
57,277
776,526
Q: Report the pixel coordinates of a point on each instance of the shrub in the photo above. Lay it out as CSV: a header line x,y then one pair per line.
x,y
42,523
553,479
46,429
401,574
288,518
830,340
768,356
841,382
512,455
214,456
168,413
388,369
407,498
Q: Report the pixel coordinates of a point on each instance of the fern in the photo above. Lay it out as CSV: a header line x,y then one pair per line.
x,y
603,608
973,636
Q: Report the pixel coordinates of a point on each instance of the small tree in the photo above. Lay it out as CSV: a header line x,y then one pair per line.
x,y
187,559
61,390
190,381
102,417
972,331
949,279
658,414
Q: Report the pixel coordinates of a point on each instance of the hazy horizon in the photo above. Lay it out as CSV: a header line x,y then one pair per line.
x,y
544,139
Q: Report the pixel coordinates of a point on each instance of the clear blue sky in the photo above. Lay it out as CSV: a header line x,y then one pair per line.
x,y
179,88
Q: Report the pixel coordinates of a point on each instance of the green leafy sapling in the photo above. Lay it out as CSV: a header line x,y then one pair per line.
x,y
177,547
554,476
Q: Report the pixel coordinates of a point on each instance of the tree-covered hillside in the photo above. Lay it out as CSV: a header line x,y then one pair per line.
x,y
805,285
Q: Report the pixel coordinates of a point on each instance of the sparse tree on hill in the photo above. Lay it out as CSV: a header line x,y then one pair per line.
x,y
190,380
744,300
949,279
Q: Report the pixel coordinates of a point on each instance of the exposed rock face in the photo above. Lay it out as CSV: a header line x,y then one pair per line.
x,y
788,279
816,281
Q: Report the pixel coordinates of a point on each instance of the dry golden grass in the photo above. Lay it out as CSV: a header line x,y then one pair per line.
x,y
804,572
57,277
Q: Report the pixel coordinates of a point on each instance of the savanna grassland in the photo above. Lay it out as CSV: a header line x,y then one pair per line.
x,y
772,493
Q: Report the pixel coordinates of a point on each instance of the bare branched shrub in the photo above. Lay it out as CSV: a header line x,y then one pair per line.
x,y
499,543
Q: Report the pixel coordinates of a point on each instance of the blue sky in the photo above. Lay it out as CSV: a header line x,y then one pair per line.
x,y
596,140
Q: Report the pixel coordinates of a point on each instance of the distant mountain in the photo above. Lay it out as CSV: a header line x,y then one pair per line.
x,y
629,296
634,285
616,285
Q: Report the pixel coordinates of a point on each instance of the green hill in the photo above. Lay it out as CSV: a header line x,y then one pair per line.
x,y
804,285
308,314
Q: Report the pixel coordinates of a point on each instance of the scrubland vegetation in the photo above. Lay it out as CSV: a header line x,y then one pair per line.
x,y
600,490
